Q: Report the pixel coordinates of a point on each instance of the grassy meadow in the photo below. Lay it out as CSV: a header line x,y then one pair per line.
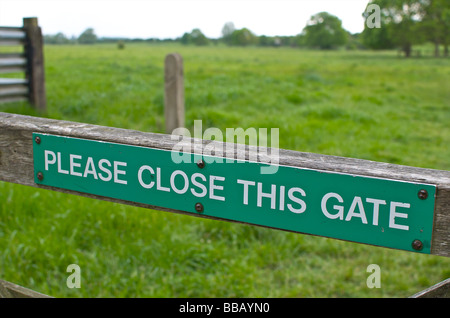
x,y
358,104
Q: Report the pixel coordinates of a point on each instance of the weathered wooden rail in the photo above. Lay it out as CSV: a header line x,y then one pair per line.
x,y
10,290
440,290
30,62
17,166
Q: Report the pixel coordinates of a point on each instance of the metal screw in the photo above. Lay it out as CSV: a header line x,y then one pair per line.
x,y
417,245
199,207
201,164
423,194
37,139
40,176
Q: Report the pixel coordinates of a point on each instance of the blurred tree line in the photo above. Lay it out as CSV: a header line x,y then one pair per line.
x,y
400,24
87,37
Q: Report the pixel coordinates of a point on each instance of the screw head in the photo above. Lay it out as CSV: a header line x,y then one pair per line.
x,y
201,164
417,245
423,194
37,140
199,207
40,176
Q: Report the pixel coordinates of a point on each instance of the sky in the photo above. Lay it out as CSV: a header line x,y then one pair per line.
x,y
172,18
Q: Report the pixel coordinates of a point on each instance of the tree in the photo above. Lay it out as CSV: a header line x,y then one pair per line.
x,y
436,23
324,31
401,21
87,37
377,38
243,37
227,31
299,40
58,38
195,37
186,39
198,38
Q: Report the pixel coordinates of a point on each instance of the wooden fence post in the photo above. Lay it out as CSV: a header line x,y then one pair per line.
x,y
35,68
174,92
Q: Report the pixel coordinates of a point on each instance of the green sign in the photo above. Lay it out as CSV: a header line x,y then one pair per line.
x,y
368,210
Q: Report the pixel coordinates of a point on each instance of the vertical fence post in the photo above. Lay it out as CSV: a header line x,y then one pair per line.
x,y
35,68
174,92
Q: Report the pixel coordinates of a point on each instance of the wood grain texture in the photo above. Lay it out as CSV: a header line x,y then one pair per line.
x,y
10,290
174,92
31,62
34,53
16,161
440,290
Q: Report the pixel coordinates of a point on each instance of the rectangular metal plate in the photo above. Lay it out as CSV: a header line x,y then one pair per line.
x,y
367,210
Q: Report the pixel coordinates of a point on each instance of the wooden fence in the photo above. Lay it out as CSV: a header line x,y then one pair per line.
x,y
17,165
17,162
29,61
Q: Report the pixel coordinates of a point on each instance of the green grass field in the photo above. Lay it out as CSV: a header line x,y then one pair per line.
x,y
357,104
